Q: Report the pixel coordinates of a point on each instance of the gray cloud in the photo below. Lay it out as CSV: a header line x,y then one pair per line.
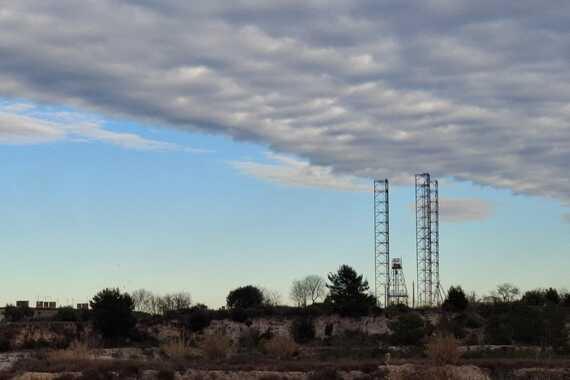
x,y
476,91
456,210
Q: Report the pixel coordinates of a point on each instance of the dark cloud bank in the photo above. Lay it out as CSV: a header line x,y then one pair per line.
x,y
477,91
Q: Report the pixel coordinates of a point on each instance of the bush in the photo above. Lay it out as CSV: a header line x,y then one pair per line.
x,y
533,298
113,313
245,297
281,347
408,329
498,330
551,296
527,324
17,313
215,346
76,351
176,349
303,330
67,314
456,299
197,318
443,349
325,374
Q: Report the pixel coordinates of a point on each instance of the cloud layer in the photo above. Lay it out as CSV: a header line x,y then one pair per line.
x,y
477,91
22,124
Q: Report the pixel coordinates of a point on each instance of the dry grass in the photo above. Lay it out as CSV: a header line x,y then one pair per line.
x,y
76,351
177,349
281,347
215,346
443,349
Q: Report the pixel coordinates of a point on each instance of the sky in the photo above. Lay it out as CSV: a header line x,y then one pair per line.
x,y
200,146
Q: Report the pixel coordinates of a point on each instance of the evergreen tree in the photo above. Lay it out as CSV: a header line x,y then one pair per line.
x,y
349,292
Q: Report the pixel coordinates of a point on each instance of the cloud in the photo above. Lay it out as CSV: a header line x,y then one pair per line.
x,y
473,91
461,210
37,128
464,210
292,172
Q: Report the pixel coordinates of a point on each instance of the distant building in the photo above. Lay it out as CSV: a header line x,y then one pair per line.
x,y
25,304
82,306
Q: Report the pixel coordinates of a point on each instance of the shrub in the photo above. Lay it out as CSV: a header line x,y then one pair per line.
x,y
17,313
527,324
245,297
67,314
197,318
76,351
215,346
325,374
176,349
329,328
456,299
250,339
281,347
533,298
555,331
551,296
303,330
408,329
165,375
112,313
498,330
443,349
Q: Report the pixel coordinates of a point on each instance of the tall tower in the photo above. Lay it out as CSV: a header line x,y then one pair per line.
x,y
398,288
427,241
434,209
381,242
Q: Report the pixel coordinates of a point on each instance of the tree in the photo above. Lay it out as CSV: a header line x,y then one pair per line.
x,y
551,296
348,292
271,297
456,299
17,313
533,298
244,297
507,292
310,289
112,313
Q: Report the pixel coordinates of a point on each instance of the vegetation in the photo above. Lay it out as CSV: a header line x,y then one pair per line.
x,y
245,297
311,289
113,313
443,349
456,299
408,330
349,292
303,330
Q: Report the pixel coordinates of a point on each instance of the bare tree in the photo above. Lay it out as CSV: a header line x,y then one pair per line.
x,y
507,292
148,302
271,297
310,289
144,300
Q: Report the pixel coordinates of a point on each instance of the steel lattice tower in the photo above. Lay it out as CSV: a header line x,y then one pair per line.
x,y
381,242
423,240
434,209
398,288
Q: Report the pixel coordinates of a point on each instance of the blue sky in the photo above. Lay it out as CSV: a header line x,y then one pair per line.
x,y
200,146
79,215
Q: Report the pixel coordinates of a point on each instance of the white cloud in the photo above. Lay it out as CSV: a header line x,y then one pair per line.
x,y
292,172
18,128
